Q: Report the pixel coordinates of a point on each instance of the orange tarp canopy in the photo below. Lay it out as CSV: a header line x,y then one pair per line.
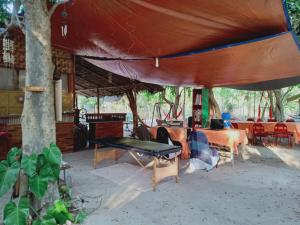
x,y
211,43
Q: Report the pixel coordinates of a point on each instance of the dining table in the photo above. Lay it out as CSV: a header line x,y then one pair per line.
x,y
231,138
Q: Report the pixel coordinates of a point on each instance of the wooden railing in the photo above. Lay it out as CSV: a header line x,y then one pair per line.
x,y
101,117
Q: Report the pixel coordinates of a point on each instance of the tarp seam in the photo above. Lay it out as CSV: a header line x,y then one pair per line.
x,y
194,52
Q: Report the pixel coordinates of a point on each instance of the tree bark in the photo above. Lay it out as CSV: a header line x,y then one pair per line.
x,y
38,118
279,109
175,104
131,95
214,106
270,94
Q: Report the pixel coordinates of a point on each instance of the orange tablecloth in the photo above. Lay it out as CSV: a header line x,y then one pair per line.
x,y
231,138
293,127
177,134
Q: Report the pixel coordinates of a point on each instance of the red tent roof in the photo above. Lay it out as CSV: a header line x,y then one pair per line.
x,y
202,42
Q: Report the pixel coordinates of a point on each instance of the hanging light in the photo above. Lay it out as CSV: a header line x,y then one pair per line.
x,y
156,62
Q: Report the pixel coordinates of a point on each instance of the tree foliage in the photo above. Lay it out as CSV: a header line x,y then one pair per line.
x,y
294,13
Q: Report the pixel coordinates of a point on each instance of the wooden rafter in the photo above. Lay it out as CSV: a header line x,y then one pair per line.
x,y
90,77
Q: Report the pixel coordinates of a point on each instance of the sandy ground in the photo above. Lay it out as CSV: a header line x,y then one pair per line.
x,y
262,188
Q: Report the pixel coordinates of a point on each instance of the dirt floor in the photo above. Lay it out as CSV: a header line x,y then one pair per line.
x,y
263,187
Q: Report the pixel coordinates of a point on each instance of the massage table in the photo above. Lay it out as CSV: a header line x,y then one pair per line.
x,y
136,148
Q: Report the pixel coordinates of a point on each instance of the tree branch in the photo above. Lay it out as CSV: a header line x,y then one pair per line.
x,y
14,20
288,91
165,98
53,8
181,92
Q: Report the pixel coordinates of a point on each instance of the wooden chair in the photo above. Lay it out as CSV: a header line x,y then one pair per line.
x,y
258,132
143,133
163,136
281,132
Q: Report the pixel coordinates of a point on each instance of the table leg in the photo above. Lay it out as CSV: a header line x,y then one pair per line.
x,y
159,173
185,154
155,164
95,156
136,159
232,156
177,165
101,155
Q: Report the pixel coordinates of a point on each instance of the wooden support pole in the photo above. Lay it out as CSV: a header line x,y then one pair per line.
x,y
73,74
98,103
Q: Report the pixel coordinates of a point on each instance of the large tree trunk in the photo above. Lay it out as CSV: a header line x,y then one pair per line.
x,y
175,104
270,94
131,95
214,106
38,118
279,109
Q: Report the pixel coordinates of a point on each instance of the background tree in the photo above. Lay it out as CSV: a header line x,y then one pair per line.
x,y
294,13
214,106
173,99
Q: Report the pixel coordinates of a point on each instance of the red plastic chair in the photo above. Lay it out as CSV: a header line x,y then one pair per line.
x,y
258,131
281,132
4,141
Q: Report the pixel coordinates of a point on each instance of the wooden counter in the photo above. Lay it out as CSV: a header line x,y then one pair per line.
x,y
105,129
102,125
64,137
109,129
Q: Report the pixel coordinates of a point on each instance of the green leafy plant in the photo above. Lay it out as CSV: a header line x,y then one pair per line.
x,y
40,170
17,213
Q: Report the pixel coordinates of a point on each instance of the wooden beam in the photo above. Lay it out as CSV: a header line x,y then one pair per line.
x,y
126,87
92,73
98,71
98,102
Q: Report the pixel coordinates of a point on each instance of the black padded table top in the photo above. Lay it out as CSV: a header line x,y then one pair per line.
x,y
146,147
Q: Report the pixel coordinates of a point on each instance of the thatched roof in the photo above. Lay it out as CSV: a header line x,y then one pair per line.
x,y
89,78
